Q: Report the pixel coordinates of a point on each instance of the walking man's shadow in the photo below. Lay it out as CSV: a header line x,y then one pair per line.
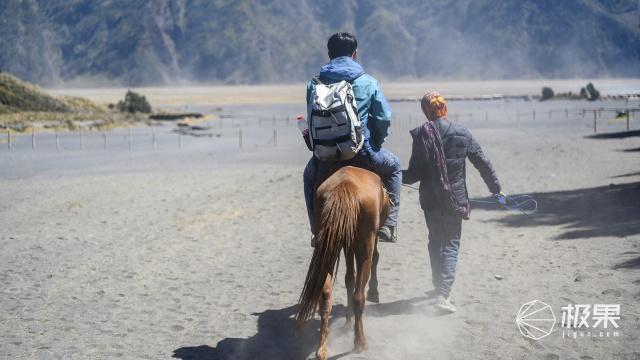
x,y
276,338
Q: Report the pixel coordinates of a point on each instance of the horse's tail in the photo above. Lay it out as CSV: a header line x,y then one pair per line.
x,y
337,228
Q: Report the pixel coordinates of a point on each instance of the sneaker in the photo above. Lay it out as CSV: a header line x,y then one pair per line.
x,y
387,234
444,304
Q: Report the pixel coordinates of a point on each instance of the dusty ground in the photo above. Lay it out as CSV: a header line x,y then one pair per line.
x,y
200,252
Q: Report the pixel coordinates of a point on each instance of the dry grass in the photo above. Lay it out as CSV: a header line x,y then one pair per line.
x,y
25,107
22,122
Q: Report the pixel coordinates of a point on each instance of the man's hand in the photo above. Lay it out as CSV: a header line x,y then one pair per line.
x,y
501,197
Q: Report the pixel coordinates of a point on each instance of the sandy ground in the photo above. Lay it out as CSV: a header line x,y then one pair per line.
x,y
201,252
290,93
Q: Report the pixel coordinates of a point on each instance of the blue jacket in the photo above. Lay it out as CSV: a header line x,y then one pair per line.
x,y
373,108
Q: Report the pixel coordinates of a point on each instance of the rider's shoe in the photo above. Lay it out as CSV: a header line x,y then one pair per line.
x,y
387,234
444,304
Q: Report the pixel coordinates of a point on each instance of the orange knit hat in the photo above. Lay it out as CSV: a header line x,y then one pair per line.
x,y
433,105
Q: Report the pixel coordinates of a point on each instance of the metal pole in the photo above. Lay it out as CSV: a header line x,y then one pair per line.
x,y
275,137
628,114
104,136
81,140
153,139
534,115
130,140
240,138
595,126
9,138
57,140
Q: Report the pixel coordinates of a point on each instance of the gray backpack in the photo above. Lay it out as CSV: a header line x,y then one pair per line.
x,y
334,125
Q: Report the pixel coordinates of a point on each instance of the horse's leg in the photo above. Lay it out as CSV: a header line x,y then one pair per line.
x,y
325,311
364,254
350,283
372,294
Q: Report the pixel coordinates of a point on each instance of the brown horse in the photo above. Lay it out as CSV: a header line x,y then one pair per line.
x,y
349,206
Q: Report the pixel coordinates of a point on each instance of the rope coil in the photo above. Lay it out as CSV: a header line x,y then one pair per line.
x,y
524,203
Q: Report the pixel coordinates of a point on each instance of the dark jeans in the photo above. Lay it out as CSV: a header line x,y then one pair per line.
x,y
382,162
445,230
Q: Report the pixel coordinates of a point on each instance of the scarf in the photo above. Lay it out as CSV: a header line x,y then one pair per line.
x,y
435,156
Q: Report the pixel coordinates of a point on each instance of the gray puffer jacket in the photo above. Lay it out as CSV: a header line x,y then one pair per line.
x,y
458,145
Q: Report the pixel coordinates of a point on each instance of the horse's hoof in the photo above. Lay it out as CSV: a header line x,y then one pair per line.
x,y
373,296
322,354
360,346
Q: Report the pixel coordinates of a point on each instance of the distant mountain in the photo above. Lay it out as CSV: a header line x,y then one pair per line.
x,y
145,42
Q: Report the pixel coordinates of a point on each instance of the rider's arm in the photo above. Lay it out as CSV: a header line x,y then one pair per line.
x,y
482,163
307,136
309,89
380,117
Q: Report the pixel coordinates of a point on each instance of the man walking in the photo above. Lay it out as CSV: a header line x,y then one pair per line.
x,y
375,116
438,156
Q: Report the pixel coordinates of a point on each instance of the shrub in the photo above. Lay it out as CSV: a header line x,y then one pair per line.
x,y
592,93
547,93
133,103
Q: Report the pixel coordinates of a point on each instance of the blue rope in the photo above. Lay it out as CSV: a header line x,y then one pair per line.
x,y
523,203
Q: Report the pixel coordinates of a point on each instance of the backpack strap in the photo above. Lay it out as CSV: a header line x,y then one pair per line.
x,y
318,80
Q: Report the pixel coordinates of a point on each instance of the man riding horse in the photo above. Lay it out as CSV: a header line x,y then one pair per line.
x,y
374,115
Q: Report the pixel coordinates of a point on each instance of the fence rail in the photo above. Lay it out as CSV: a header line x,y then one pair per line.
x,y
241,127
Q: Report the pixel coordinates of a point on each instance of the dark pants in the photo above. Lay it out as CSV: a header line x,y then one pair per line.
x,y
382,162
445,230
